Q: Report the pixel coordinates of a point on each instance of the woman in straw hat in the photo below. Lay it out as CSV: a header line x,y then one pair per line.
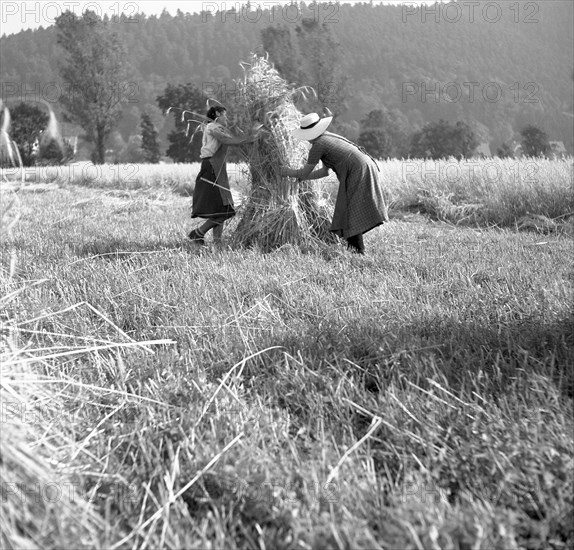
x,y
212,199
360,205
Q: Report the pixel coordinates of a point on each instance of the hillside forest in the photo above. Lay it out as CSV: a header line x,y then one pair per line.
x,y
496,66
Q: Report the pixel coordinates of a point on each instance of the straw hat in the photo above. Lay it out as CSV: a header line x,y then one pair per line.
x,y
312,126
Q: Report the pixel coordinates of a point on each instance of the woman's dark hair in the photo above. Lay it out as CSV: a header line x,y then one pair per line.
x,y
214,112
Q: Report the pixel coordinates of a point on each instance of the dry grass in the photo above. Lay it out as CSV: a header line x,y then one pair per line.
x,y
180,178
530,194
418,397
39,507
485,192
152,397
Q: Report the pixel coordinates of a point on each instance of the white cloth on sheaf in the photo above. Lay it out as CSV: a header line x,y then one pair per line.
x,y
212,139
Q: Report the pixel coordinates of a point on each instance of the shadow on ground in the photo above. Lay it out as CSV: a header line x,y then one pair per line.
x,y
457,351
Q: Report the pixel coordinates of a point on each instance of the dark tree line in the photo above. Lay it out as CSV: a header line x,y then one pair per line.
x,y
358,66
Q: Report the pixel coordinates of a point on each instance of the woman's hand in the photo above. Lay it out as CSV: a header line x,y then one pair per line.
x,y
302,173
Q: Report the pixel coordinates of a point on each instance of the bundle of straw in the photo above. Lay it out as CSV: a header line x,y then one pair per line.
x,y
278,210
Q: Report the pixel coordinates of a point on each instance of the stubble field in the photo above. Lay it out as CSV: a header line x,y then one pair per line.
x,y
159,396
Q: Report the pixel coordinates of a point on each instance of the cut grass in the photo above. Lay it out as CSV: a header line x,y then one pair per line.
x,y
418,397
529,193
486,192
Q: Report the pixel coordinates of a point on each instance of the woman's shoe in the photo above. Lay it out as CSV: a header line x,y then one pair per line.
x,y
193,236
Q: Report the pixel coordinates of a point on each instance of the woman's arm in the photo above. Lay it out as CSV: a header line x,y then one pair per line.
x,y
322,172
306,173
228,138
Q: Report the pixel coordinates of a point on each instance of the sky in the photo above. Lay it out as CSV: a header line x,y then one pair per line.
x,y
16,16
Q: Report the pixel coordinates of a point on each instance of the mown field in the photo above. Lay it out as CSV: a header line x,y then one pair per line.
x,y
159,396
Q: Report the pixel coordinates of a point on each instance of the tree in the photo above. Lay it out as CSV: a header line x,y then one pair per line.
x,y
505,151
178,98
320,69
54,152
434,141
150,145
27,124
388,127
323,65
377,142
132,153
95,74
440,140
283,52
534,141
464,139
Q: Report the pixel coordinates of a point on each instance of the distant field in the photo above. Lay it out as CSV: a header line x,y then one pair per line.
x,y
483,192
418,397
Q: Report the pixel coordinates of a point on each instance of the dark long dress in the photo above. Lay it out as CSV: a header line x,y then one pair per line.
x,y
360,204
212,197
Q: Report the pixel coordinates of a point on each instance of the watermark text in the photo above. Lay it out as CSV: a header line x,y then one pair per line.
x,y
46,13
469,92
269,12
69,92
471,11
